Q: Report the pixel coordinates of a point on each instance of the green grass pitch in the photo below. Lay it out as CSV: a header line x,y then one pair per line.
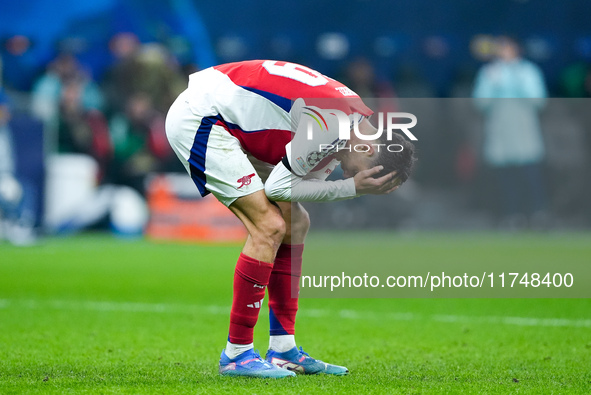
x,y
94,314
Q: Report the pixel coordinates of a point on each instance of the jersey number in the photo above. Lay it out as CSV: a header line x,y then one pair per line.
x,y
295,72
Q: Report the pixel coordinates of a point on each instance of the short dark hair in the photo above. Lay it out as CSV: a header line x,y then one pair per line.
x,y
401,162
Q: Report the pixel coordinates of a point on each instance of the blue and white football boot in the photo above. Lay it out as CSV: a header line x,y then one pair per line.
x,y
250,364
299,361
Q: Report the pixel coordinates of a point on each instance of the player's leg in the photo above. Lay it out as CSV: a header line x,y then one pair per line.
x,y
283,298
284,282
217,164
264,223
283,285
297,222
266,229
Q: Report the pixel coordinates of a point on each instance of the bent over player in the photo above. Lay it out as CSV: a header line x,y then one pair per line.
x,y
262,136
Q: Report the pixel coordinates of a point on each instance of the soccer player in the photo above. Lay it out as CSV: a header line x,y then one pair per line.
x,y
261,136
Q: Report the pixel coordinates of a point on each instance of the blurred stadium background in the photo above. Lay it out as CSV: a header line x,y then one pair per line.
x,y
87,86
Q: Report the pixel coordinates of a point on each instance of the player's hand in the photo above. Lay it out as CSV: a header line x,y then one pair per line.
x,y
366,184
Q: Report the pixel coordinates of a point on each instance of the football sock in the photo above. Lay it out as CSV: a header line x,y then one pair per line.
x,y
282,343
233,350
283,284
251,277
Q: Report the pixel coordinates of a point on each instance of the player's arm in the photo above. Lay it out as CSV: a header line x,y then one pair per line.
x,y
283,186
296,177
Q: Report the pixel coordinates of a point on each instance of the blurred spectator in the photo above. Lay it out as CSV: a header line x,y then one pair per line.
x,y
141,86
19,64
378,94
118,80
47,91
80,130
139,142
158,75
361,78
17,211
147,69
510,92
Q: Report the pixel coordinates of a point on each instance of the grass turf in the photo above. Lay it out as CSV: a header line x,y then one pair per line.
x,y
93,314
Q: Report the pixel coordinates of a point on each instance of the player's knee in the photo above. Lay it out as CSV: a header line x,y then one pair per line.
x,y
276,228
300,220
271,230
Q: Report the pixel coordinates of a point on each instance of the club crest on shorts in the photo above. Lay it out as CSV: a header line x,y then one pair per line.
x,y
245,180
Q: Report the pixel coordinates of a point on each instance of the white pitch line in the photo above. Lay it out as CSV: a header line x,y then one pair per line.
x,y
518,321
167,308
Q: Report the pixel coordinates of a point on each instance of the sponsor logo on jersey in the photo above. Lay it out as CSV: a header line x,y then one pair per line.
x,y
246,180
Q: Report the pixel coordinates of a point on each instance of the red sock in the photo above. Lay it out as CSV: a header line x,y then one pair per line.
x,y
284,289
250,280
